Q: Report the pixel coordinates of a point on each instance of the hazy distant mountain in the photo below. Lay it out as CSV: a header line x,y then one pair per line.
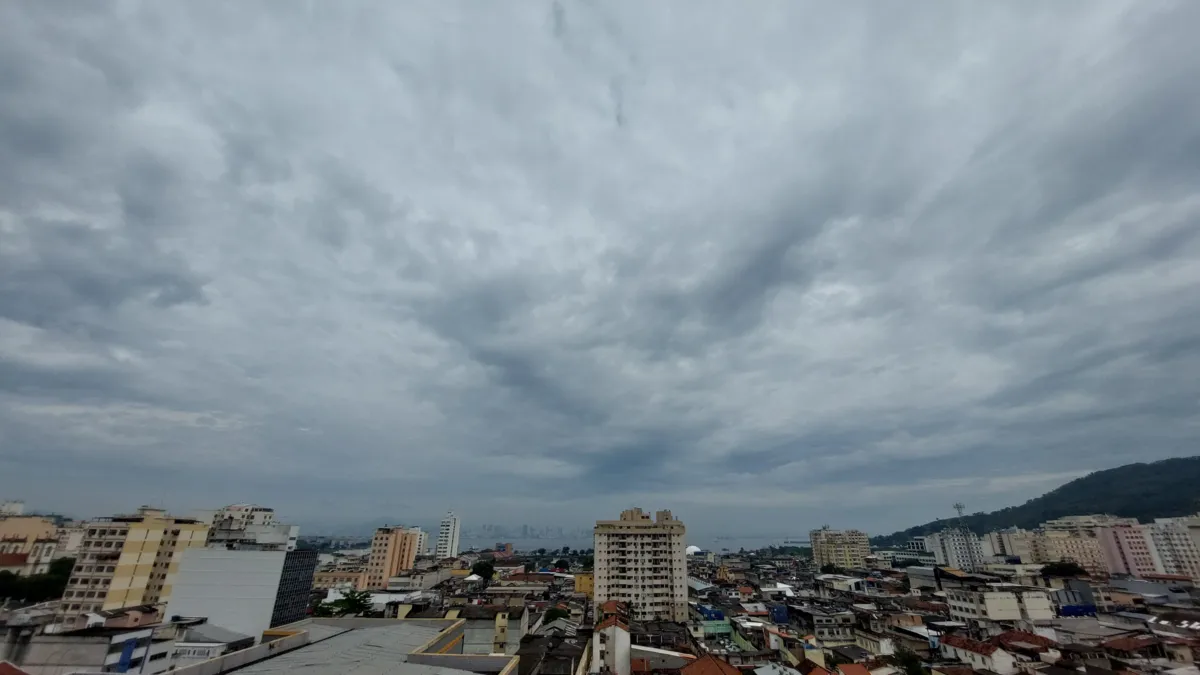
x,y
1143,491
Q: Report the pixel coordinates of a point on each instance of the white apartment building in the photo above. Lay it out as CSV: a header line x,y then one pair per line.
x,y
999,602
1012,542
642,562
243,515
447,542
1177,543
956,547
844,549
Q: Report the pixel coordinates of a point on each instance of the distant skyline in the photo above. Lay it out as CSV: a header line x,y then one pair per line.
x,y
769,266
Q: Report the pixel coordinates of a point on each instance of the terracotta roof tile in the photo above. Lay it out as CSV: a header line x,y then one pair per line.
x,y
1008,637
709,665
1130,644
970,645
12,560
853,669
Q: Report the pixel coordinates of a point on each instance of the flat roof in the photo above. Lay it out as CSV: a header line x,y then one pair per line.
x,y
381,650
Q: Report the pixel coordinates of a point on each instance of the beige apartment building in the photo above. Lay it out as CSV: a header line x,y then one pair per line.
x,y
393,550
1085,525
642,562
131,560
845,549
1080,547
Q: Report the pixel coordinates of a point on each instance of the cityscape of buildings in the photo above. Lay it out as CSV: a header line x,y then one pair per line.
x,y
237,589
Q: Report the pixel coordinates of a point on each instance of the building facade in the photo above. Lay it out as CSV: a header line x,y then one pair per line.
x,y
1010,543
845,549
1062,545
243,590
956,547
1129,549
447,542
393,550
1177,541
130,560
642,562
999,603
1086,524
29,543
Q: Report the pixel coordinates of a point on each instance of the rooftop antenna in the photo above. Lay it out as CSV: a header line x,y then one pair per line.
x,y
960,507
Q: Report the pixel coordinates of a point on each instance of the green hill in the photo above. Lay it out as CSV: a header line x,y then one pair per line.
x,y
1162,489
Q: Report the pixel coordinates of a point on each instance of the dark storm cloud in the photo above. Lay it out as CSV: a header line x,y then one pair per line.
x,y
738,264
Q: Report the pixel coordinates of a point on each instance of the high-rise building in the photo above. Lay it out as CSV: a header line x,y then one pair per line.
x,y
243,515
1085,525
249,577
956,547
393,550
447,543
1067,545
12,508
422,541
844,549
1129,549
246,590
129,560
1178,543
642,562
1012,543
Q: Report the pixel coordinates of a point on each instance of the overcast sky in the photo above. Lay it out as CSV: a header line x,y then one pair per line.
x,y
770,265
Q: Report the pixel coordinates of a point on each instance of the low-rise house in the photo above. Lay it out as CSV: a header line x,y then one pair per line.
x,y
95,649
979,655
206,641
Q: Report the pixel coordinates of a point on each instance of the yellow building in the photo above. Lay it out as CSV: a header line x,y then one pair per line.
x,y
585,583
126,561
29,543
844,549
393,550
328,579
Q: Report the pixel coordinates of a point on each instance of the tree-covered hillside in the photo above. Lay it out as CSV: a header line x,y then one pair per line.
x,y
1162,489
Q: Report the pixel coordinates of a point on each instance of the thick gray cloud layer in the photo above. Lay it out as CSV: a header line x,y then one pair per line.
x,y
771,267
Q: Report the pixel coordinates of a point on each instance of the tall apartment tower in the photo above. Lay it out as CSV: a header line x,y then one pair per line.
x,y
1178,543
846,549
447,543
1129,549
393,550
247,581
956,547
125,561
642,562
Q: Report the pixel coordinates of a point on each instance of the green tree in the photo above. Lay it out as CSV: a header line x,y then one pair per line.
x,y
566,550
37,587
587,562
829,568
485,569
907,660
353,603
541,551
530,567
562,563
553,614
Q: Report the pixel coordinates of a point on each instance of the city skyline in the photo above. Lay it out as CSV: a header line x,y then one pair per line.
x,y
545,261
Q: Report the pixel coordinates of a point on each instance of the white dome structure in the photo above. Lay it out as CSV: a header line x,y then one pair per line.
x,y
692,550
